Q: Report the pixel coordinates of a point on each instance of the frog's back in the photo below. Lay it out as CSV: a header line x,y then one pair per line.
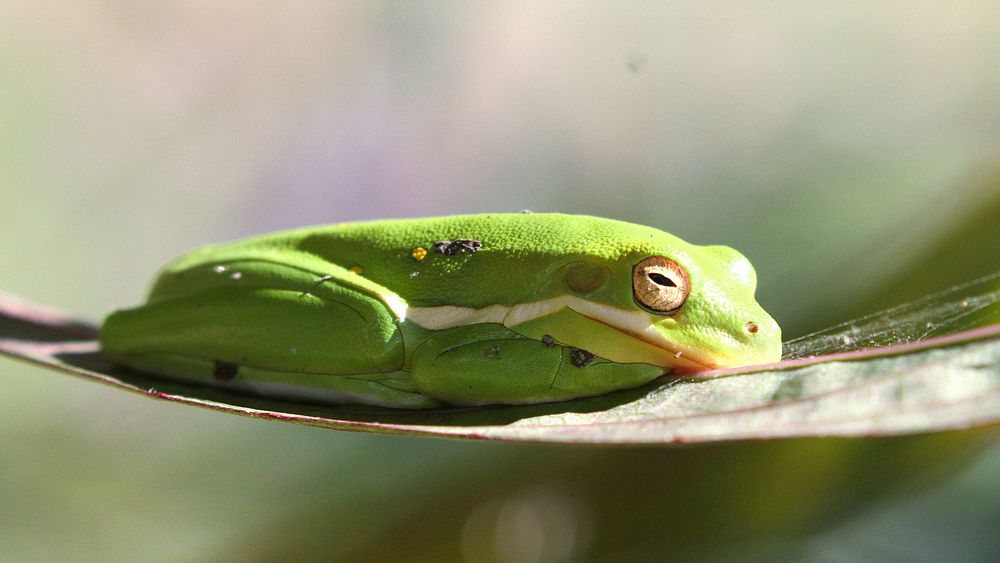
x,y
538,234
472,260
464,260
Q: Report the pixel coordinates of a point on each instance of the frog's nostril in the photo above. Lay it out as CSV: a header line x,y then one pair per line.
x,y
751,327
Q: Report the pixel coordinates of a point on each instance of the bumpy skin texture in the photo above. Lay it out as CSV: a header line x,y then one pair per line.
x,y
476,309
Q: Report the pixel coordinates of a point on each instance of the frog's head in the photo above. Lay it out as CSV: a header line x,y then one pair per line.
x,y
700,305
681,306
623,292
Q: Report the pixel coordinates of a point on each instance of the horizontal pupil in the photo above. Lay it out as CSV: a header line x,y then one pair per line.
x,y
661,280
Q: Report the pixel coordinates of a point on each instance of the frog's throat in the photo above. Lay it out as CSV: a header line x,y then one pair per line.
x,y
632,323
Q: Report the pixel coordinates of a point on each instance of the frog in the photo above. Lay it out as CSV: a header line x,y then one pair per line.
x,y
443,312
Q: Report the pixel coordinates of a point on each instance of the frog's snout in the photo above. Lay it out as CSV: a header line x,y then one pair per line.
x,y
762,336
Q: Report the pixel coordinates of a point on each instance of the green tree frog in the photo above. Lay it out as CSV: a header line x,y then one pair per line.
x,y
461,310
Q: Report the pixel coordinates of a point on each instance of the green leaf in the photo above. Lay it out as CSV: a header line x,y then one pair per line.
x,y
902,371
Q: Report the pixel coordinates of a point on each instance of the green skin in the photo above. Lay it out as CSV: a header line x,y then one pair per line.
x,y
543,311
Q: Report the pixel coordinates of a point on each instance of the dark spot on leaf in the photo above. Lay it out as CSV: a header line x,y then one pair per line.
x,y
493,352
580,358
453,247
548,340
788,389
225,371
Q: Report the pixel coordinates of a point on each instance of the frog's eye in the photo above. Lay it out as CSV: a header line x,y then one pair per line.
x,y
660,285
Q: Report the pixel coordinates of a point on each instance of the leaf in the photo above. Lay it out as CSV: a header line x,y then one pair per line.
x,y
917,378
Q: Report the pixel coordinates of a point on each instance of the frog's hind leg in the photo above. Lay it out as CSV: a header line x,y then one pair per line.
x,y
289,335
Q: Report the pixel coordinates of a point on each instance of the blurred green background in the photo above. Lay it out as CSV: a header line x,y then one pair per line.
x,y
849,150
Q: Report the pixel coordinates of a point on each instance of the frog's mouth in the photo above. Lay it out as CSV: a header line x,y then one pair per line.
x,y
617,335
670,355
714,347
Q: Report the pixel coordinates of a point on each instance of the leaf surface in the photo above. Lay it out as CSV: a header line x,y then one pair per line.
x,y
915,377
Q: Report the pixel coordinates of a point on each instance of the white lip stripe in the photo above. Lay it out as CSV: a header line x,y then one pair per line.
x,y
448,316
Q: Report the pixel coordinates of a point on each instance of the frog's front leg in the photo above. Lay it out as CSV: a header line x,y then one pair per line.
x,y
489,363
